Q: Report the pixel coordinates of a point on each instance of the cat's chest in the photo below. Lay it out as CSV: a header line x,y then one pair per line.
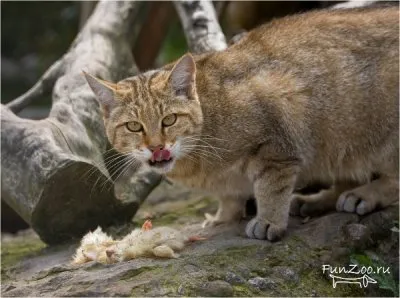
x,y
222,180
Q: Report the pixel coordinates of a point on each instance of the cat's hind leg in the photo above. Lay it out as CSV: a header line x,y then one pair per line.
x,y
230,209
318,203
379,193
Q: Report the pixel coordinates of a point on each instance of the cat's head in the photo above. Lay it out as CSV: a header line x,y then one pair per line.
x,y
154,117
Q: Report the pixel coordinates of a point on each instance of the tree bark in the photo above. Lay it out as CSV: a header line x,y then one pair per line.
x,y
200,24
53,171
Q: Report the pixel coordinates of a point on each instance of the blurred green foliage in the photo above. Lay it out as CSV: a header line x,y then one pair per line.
x,y
174,45
46,28
42,31
35,31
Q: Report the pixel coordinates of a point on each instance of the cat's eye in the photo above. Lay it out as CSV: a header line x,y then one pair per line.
x,y
169,120
134,126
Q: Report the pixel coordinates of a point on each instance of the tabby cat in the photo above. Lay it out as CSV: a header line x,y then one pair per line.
x,y
310,97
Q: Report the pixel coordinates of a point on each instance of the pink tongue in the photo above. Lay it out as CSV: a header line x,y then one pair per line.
x,y
160,155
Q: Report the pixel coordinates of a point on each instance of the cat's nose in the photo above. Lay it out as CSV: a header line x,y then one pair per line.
x,y
155,148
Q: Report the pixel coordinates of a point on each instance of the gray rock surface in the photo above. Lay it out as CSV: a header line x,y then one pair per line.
x,y
262,283
226,264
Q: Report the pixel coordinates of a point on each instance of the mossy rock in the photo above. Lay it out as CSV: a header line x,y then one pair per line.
x,y
226,264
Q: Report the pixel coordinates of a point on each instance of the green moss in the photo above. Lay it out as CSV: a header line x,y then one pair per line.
x,y
135,272
14,251
244,291
387,283
186,212
141,276
257,261
314,281
311,279
166,219
260,261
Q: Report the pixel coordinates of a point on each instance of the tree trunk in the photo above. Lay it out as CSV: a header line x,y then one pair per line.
x,y
53,171
200,24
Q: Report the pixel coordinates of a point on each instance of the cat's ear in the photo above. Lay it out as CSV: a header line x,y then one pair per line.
x,y
103,90
183,77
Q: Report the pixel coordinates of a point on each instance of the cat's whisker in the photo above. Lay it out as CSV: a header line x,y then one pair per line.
x,y
208,157
215,149
117,157
194,157
107,167
207,140
205,153
100,176
209,136
209,154
100,165
200,157
191,139
131,161
116,167
114,164
203,149
114,156
108,150
187,155
119,166
95,167
109,163
204,146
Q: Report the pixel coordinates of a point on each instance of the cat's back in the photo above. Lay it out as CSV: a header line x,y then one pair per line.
x,y
324,41
328,55
352,28
315,74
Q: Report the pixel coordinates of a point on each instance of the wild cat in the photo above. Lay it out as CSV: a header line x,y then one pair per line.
x,y
305,98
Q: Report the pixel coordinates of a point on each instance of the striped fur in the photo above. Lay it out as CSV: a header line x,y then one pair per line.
x,y
311,97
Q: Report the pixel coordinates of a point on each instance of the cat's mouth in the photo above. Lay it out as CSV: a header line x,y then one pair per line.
x,y
160,159
160,164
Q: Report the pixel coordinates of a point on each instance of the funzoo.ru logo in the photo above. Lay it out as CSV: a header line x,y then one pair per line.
x,y
363,280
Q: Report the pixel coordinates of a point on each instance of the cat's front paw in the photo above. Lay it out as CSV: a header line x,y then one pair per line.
x,y
259,228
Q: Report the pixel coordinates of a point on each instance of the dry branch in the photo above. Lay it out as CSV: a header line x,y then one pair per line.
x,y
53,172
86,9
200,24
43,86
353,4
